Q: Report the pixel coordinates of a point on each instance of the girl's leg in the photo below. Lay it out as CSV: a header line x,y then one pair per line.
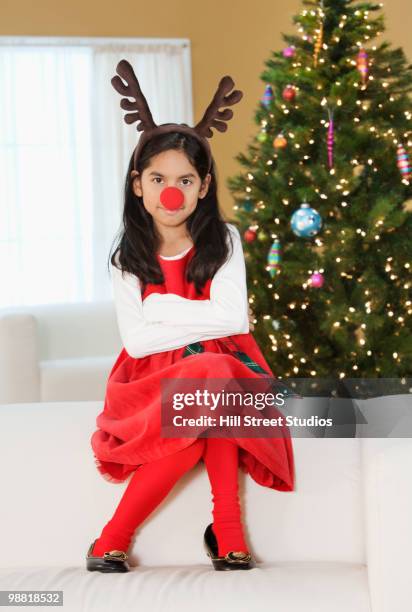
x,y
221,460
149,484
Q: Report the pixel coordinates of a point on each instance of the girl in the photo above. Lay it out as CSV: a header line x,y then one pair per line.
x,y
179,284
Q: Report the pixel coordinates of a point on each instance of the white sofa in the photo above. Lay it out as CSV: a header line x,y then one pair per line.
x,y
340,542
57,352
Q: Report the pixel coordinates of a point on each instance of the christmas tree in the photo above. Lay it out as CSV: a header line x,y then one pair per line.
x,y
323,200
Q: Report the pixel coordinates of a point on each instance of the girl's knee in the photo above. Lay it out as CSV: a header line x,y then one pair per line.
x,y
197,449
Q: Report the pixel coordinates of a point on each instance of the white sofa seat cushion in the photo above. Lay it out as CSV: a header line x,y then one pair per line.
x,y
53,483
287,587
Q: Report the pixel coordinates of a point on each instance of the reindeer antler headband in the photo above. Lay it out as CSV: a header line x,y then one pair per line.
x,y
139,111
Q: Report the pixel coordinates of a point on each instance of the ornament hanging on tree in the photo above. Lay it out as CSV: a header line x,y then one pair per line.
x,y
250,235
319,41
360,336
274,258
331,138
306,221
316,280
267,96
280,141
362,64
358,170
247,205
289,93
262,136
275,324
289,51
403,162
407,206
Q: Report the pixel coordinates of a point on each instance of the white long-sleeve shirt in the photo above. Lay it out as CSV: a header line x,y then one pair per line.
x,y
162,322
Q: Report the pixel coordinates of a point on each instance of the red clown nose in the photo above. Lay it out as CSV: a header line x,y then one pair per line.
x,y
171,198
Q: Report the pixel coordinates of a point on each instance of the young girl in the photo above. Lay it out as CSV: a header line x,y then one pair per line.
x,y
179,283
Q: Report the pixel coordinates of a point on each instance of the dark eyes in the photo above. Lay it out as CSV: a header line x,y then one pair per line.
x,y
185,179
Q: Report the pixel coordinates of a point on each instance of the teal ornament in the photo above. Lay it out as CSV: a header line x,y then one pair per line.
x,y
267,96
248,205
306,221
274,258
275,324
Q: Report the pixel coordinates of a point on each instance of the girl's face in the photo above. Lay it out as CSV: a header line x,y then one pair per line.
x,y
170,168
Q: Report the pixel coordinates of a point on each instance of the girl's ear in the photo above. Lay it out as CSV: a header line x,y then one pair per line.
x,y
136,184
205,186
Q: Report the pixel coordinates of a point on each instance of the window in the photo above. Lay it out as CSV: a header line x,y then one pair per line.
x,y
64,152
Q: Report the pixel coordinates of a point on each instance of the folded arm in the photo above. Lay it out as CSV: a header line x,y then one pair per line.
x,y
226,312
142,336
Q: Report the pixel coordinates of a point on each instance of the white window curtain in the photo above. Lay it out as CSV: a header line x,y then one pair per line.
x,y
64,152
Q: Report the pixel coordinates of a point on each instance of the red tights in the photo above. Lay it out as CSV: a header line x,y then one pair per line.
x,y
151,482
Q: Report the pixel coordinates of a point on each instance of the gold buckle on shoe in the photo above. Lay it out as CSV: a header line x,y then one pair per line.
x,y
238,556
115,555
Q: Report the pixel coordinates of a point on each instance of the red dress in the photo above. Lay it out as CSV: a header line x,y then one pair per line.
x,y
129,427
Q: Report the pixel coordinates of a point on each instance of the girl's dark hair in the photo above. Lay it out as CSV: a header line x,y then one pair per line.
x,y
138,241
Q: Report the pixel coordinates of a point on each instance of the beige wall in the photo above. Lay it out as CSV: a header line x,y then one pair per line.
x,y
227,38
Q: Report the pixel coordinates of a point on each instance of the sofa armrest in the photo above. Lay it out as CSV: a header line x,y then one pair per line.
x,y
19,364
387,474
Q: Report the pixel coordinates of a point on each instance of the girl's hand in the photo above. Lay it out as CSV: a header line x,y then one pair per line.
x,y
251,319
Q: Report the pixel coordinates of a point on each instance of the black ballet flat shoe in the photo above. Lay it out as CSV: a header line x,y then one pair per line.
x,y
233,560
113,561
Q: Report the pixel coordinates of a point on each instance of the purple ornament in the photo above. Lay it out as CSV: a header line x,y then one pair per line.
x,y
267,96
331,139
317,280
289,51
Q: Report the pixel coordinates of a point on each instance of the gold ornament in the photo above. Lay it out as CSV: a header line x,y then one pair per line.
x,y
357,171
407,206
360,335
319,43
280,141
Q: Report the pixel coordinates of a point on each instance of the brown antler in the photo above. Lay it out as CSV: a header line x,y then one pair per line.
x,y
132,90
215,118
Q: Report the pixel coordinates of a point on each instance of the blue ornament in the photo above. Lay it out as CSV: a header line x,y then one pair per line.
x,y
306,221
